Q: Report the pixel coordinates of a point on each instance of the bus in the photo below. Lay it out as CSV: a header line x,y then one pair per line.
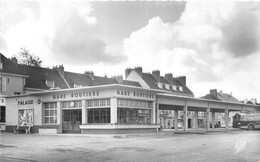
x,y
246,121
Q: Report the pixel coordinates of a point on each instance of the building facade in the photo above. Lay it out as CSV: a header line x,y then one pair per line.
x,y
57,101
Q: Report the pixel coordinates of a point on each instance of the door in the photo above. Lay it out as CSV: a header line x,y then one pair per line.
x,y
71,119
189,123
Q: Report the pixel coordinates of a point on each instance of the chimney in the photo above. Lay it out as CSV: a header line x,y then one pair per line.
x,y
182,79
254,101
14,60
169,77
119,78
90,73
156,75
60,69
245,101
139,70
127,72
214,92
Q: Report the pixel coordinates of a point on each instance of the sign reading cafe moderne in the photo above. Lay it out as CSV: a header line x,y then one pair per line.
x,y
76,95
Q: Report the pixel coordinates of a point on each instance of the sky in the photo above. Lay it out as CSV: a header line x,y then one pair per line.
x,y
215,44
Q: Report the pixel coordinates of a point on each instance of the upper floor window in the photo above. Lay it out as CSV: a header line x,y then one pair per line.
x,y
167,86
78,86
181,88
160,85
3,84
174,87
50,84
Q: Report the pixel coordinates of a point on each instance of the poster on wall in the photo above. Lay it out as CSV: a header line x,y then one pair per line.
x,y
25,117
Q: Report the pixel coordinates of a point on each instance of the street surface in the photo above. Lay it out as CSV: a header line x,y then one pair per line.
x,y
240,146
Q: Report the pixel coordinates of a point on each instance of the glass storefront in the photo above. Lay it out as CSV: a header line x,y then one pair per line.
x,y
133,116
101,115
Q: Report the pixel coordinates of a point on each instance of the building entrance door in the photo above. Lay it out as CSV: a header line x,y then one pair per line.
x,y
71,119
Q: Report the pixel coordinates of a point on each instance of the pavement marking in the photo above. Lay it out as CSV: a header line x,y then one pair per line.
x,y
14,159
241,145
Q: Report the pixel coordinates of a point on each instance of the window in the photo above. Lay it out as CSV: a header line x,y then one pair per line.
x,y
133,116
2,112
50,113
50,84
133,103
98,102
71,104
78,86
181,88
167,86
160,85
3,84
174,87
99,115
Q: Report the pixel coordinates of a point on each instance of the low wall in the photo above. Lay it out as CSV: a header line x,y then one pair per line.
x,y
118,129
34,129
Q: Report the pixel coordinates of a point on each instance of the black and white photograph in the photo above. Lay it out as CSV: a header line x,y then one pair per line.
x,y
129,81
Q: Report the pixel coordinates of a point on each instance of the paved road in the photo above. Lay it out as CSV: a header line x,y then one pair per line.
x,y
238,146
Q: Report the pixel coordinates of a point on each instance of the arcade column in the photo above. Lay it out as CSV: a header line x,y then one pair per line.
x,y
84,112
196,119
113,110
226,119
213,119
185,118
208,116
59,117
176,120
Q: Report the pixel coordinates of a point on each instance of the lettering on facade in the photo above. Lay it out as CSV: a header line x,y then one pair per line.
x,y
77,95
134,94
25,102
59,96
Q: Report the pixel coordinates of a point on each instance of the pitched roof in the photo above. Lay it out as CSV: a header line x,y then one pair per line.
x,y
36,75
210,97
103,81
227,98
131,83
222,97
79,79
153,84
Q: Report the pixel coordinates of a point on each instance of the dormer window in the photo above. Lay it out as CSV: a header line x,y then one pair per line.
x,y
160,85
174,87
1,65
78,85
167,86
181,88
50,84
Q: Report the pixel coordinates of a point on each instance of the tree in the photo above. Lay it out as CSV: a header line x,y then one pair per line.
x,y
27,58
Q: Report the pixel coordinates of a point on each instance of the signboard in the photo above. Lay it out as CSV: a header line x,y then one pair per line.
x,y
2,101
76,95
135,94
25,117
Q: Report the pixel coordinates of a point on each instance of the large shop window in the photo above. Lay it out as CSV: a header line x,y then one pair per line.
x,y
99,115
50,112
98,103
133,116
